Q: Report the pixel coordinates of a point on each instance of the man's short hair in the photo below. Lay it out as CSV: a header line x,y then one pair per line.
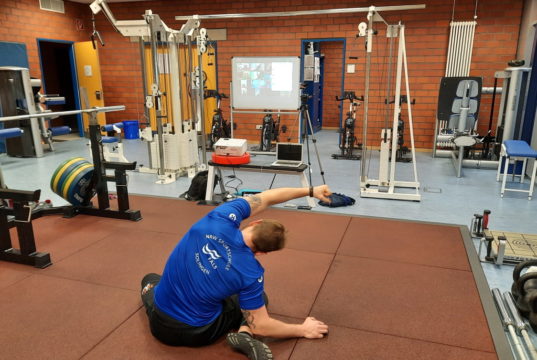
x,y
269,235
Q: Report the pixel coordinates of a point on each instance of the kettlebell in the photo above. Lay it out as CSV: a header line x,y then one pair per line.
x,y
532,284
524,293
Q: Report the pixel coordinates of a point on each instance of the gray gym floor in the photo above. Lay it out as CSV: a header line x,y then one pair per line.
x,y
445,198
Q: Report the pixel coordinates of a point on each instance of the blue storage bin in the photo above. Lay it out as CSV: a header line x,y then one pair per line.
x,y
131,129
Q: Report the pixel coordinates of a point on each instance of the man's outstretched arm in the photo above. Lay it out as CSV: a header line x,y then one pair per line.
x,y
261,201
260,323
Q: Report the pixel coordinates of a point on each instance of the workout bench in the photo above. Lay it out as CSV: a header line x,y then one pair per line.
x,y
516,150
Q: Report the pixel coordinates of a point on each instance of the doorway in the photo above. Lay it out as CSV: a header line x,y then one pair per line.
x,y
58,75
323,74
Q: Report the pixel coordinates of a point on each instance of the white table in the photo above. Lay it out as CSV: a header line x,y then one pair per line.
x,y
214,168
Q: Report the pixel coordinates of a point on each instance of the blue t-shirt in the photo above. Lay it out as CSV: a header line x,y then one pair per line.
x,y
209,264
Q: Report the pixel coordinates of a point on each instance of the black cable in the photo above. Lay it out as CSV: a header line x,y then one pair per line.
x,y
233,178
236,188
272,182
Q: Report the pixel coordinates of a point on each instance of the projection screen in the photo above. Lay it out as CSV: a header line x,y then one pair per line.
x,y
266,83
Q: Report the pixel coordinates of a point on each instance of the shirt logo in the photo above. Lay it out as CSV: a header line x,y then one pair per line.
x,y
233,216
260,279
212,253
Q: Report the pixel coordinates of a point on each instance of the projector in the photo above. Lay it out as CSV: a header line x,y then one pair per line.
x,y
230,147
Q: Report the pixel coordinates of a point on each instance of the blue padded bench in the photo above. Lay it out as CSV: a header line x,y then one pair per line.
x,y
109,139
516,150
111,128
60,130
10,132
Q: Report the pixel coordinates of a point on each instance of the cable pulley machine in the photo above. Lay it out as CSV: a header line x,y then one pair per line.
x,y
385,187
174,150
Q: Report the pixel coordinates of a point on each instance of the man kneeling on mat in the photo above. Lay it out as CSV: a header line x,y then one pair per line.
x,y
212,282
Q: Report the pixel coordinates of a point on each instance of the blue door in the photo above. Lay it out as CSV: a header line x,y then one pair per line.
x,y
312,75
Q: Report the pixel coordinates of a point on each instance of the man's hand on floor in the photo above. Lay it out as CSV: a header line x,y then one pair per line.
x,y
314,329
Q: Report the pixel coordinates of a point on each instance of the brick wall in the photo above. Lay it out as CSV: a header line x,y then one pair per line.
x,y
23,21
426,32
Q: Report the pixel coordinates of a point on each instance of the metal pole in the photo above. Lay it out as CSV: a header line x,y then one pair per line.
x,y
305,138
508,323
189,81
202,108
409,105
369,45
147,116
64,113
231,111
314,141
389,80
305,12
175,80
144,77
397,105
156,94
181,90
519,323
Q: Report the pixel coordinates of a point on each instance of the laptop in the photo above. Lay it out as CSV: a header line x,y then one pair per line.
x,y
288,154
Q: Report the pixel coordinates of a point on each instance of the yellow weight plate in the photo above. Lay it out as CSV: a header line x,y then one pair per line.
x,y
72,176
59,171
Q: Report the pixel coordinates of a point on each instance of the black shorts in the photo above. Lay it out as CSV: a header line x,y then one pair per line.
x,y
176,333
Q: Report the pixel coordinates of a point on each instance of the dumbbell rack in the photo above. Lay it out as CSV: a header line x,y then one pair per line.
x,y
21,214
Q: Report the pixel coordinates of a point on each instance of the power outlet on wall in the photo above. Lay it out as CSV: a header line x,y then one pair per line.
x,y
259,127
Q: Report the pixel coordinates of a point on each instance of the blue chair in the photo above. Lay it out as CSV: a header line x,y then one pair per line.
x,y
515,151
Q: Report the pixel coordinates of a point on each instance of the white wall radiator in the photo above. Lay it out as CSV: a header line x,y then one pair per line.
x,y
459,59
461,42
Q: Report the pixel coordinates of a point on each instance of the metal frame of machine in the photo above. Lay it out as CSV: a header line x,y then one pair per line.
x,y
385,186
36,131
177,145
510,121
512,103
389,183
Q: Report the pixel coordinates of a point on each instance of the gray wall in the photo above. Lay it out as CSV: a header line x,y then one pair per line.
x,y
527,30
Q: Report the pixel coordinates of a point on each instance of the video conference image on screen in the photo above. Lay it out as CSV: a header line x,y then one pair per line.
x,y
265,82
264,79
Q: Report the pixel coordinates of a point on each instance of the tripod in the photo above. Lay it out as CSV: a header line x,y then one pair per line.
x,y
304,136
